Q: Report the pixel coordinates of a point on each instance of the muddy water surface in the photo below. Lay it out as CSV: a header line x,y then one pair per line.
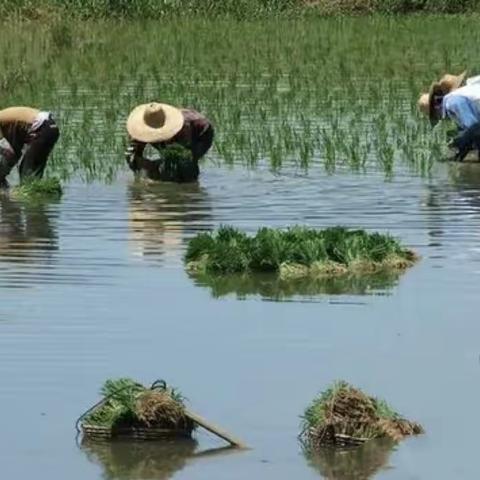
x,y
93,286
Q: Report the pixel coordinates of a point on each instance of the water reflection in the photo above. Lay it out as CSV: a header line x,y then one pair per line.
x,y
162,215
123,460
139,461
271,287
27,233
466,177
361,463
453,206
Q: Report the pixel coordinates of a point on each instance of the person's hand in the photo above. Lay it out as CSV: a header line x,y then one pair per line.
x,y
457,154
31,136
129,153
130,157
6,150
452,133
8,154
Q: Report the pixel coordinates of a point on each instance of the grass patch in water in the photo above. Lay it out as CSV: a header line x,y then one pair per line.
x,y
38,188
128,403
343,414
296,252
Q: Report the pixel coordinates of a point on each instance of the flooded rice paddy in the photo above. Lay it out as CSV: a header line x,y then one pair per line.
x,y
93,286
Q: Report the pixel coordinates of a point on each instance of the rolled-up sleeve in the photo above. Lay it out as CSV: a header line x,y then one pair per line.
x,y
461,110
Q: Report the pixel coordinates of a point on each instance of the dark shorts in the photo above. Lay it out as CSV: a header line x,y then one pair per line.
x,y
39,148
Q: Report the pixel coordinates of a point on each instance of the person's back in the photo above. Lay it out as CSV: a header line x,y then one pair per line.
x,y
28,127
462,106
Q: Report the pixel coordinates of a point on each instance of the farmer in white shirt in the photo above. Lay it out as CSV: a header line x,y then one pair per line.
x,y
461,104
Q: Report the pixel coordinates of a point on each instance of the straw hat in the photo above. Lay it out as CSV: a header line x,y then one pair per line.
x,y
445,85
424,103
154,122
451,82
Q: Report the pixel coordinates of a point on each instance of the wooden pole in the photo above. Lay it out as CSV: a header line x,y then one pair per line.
x,y
214,429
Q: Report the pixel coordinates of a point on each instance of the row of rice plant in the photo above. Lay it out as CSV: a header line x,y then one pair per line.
x,y
329,93
238,9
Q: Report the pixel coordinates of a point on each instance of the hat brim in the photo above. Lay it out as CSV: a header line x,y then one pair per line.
x,y
139,130
459,80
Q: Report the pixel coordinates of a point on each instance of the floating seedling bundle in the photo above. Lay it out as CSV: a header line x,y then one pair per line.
x,y
296,252
345,416
130,410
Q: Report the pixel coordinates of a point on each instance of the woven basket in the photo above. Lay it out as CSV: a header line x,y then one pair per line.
x,y
94,432
342,440
330,438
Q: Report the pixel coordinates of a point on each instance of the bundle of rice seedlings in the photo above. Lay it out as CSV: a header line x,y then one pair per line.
x,y
176,153
296,252
33,187
128,406
159,408
345,416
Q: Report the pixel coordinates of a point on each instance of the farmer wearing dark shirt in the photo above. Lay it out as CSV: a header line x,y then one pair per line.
x,y
26,134
160,125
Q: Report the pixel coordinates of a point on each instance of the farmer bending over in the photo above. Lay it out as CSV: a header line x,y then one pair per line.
x,y
27,134
461,104
161,125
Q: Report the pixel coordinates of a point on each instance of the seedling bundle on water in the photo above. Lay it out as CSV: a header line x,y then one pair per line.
x,y
296,252
130,410
345,416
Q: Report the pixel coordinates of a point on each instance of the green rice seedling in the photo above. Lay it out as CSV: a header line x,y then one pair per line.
x,y
176,153
296,252
343,415
61,36
129,403
250,10
33,188
266,109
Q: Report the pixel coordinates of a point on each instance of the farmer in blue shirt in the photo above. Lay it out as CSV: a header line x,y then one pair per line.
x,y
461,104
463,107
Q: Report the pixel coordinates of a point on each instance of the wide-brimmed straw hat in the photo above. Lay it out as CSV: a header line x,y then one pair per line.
x,y
154,122
451,82
445,85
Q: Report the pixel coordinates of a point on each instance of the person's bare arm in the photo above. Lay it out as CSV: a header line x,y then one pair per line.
x,y
202,137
